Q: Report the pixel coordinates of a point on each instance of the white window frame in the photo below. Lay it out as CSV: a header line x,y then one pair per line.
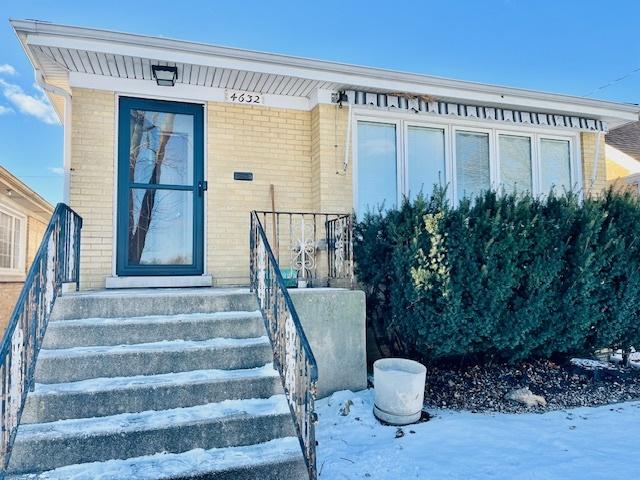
x,y
400,169
451,124
492,156
405,146
17,271
535,163
574,165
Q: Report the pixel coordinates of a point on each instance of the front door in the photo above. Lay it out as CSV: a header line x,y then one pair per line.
x,y
160,188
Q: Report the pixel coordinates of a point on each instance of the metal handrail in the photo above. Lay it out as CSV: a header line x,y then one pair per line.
x,y
313,247
293,357
57,261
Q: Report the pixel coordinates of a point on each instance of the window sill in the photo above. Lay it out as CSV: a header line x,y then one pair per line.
x,y
6,277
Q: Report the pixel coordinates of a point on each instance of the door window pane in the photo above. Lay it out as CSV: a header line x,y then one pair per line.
x,y
160,227
555,163
472,163
515,163
377,166
426,160
161,148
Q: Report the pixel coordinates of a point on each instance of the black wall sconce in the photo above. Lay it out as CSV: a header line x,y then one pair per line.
x,y
165,75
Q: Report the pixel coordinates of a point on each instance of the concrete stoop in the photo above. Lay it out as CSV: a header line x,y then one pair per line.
x,y
157,385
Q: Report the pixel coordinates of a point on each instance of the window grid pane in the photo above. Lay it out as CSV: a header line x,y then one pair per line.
x,y
16,243
425,160
377,166
515,163
6,240
472,163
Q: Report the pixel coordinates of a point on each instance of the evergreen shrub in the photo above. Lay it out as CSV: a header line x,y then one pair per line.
x,y
505,276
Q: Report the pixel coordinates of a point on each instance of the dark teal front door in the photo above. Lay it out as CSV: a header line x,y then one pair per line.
x,y
161,188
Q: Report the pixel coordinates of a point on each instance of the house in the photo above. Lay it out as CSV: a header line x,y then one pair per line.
x,y
23,218
196,165
623,155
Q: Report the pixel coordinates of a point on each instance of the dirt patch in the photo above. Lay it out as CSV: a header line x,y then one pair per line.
x,y
563,385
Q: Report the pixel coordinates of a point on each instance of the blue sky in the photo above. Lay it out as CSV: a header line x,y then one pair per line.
x,y
569,46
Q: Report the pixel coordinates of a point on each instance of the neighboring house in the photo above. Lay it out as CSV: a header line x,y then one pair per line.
x,y
23,218
623,155
170,149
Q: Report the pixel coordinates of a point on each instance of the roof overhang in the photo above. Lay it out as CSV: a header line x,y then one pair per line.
x,y
20,194
63,52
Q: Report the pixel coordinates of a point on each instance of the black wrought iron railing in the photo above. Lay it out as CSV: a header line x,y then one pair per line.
x,y
56,262
292,353
313,248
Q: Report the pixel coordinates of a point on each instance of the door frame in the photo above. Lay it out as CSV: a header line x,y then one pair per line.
x,y
124,103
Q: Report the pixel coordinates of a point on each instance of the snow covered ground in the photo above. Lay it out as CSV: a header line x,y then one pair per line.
x,y
583,443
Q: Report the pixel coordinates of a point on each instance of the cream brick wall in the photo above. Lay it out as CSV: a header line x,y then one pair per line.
x,y
92,182
300,153
273,144
332,185
588,146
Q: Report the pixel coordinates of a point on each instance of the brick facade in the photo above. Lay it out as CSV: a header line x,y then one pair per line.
x,y
92,181
300,152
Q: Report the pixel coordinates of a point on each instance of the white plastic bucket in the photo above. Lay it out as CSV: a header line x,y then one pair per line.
x,y
399,390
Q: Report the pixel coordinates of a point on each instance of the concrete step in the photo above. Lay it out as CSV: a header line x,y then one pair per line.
x,y
140,303
47,446
279,459
81,363
111,396
122,331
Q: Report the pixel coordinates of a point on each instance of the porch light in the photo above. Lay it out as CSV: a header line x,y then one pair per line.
x,y
165,75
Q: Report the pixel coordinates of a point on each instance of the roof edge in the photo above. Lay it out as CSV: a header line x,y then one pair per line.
x,y
36,27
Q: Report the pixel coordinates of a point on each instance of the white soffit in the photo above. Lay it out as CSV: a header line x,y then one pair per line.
x,y
58,50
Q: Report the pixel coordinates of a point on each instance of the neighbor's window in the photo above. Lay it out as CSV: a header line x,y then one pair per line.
x,y
515,163
472,163
377,166
555,165
425,159
11,239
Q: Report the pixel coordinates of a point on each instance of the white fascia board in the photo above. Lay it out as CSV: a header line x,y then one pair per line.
x,y
320,95
179,91
346,75
625,161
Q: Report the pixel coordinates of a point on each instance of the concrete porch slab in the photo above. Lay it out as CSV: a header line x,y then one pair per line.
x,y
160,281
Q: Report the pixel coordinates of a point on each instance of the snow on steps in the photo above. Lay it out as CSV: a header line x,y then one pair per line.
x,y
277,459
80,363
138,303
179,384
154,328
110,396
46,446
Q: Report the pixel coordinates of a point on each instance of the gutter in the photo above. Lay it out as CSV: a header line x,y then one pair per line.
x,y
105,41
52,89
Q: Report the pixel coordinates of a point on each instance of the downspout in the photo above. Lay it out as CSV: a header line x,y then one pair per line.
x,y
596,159
66,129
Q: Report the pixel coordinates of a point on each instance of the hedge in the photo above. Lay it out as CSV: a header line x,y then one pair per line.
x,y
506,277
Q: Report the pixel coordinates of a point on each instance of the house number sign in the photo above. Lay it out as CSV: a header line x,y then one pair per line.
x,y
240,96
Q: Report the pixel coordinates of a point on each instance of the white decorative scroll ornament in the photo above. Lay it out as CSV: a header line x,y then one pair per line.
x,y
304,250
262,273
340,245
50,275
71,274
290,351
16,378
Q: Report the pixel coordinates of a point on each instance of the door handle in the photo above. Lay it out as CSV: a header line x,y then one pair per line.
x,y
203,186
